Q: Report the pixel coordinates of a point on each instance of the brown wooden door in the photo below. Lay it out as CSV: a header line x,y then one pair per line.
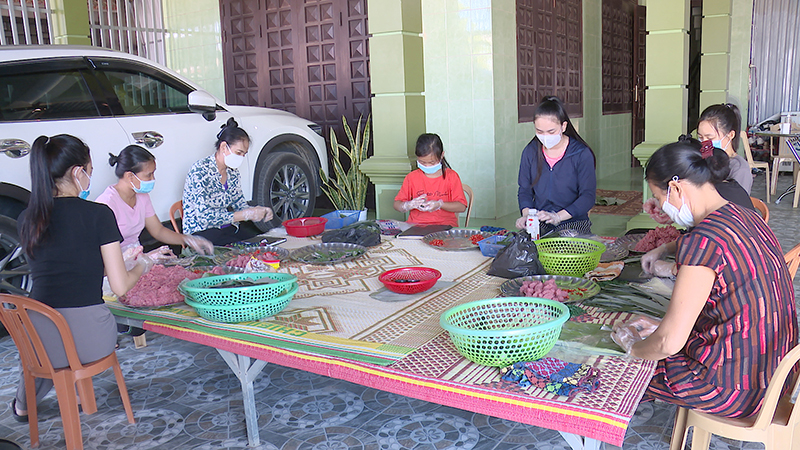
x,y
308,57
637,113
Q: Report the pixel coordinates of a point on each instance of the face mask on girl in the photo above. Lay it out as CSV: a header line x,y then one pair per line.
x,y
144,186
549,140
429,169
232,160
718,144
682,217
84,193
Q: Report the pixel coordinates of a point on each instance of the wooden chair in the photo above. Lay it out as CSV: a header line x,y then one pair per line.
x,y
36,364
748,153
761,207
177,206
792,258
470,198
777,425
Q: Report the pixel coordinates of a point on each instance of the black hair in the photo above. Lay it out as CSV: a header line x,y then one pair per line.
x,y
51,159
131,159
230,134
552,106
684,160
724,117
429,143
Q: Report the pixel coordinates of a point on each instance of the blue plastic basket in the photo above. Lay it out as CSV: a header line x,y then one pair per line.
x,y
340,218
490,247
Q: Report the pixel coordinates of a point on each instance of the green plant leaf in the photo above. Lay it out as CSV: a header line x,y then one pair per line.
x,y
347,189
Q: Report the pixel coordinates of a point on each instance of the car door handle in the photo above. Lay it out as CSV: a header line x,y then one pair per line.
x,y
14,148
149,139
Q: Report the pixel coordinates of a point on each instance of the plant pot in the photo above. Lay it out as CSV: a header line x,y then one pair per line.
x,y
341,218
362,215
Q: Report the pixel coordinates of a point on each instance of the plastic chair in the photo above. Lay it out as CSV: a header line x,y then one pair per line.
x,y
748,153
470,197
784,154
177,206
792,258
777,425
761,207
794,146
36,364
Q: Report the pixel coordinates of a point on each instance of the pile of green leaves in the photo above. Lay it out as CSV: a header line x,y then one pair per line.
x,y
622,296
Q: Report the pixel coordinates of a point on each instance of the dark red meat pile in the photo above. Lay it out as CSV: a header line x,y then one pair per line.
x,y
548,289
158,287
657,237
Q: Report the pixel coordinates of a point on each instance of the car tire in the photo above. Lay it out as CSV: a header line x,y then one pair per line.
x,y
14,270
285,183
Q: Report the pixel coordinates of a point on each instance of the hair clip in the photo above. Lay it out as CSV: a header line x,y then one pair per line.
x,y
675,178
219,135
706,149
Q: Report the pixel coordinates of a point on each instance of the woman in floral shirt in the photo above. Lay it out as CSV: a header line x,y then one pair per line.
x,y
213,202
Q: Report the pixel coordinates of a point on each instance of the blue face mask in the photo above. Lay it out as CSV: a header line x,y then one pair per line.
x,y
144,186
84,193
429,169
718,144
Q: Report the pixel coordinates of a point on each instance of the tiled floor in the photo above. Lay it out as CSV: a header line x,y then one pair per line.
x,y
185,397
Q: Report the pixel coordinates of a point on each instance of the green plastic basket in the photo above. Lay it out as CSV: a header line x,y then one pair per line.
x,y
569,256
199,290
244,312
501,331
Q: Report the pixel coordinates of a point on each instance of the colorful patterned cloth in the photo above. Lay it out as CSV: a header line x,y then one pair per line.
x,y
554,375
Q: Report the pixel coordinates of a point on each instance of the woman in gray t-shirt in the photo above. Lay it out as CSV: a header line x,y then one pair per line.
x,y
721,125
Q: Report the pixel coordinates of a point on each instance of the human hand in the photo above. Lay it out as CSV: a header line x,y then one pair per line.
x,y
644,325
199,244
652,208
626,336
145,262
161,254
129,255
256,213
414,203
520,224
650,258
663,269
549,217
431,206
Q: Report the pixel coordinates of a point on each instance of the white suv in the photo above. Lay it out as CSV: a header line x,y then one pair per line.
x,y
110,100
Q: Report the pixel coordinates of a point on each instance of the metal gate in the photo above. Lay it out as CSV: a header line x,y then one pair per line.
x,y
131,26
25,22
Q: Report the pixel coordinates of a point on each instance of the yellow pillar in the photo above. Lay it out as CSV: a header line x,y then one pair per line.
x,y
715,50
666,77
398,105
70,22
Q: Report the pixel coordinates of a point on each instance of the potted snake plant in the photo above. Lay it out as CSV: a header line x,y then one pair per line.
x,y
347,189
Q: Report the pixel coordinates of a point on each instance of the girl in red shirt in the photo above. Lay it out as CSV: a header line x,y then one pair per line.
x,y
431,195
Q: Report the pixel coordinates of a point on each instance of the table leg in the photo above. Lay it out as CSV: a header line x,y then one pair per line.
x,y
578,442
246,373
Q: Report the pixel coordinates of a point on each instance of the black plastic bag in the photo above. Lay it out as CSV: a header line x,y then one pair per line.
x,y
366,233
520,258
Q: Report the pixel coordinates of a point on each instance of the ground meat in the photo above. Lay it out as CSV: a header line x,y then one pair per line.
x,y
158,287
657,237
548,289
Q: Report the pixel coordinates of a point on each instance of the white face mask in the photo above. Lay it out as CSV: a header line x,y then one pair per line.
x,y
549,140
682,217
232,160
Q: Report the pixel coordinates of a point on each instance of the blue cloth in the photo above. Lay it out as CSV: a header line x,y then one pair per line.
x,y
570,184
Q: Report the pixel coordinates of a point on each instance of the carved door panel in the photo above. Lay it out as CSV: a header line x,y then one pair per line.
x,y
639,36
308,57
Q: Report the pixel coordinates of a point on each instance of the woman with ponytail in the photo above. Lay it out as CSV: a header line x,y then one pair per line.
x,y
731,317
720,125
213,201
556,173
69,243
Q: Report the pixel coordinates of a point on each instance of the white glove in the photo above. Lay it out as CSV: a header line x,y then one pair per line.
x,y
663,269
625,336
644,325
161,254
414,203
257,213
650,259
549,217
431,206
145,262
199,244
129,255
520,224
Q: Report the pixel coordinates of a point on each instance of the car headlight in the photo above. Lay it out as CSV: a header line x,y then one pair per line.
x,y
316,128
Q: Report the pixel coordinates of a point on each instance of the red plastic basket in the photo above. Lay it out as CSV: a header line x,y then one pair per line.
x,y
416,279
305,226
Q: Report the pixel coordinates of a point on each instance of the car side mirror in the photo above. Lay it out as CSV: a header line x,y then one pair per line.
x,y
201,101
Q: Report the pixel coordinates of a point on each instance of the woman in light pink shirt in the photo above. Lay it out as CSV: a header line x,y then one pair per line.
x,y
130,200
